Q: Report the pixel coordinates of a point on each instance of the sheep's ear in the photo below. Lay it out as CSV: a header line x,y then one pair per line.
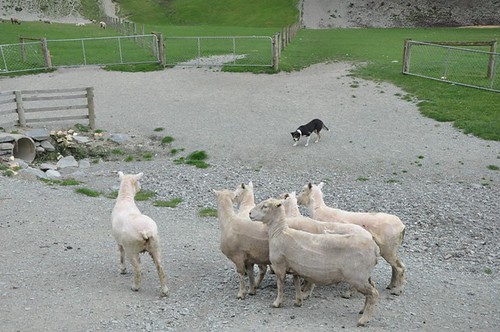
x,y
250,184
139,176
120,174
320,185
293,194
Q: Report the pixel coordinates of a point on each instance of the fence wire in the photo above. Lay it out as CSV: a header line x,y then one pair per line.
x,y
80,52
469,67
21,57
219,51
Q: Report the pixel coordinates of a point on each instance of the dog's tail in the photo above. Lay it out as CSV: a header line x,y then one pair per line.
x,y
324,126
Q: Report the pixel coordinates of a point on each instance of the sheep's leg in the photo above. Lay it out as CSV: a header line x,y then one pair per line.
x,y
307,289
136,263
155,255
280,276
251,279
240,268
123,269
262,273
298,291
398,271
371,298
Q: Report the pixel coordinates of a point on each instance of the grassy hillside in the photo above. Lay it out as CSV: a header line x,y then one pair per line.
x,y
243,13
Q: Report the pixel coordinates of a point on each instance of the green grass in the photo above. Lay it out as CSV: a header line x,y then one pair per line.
x,y
167,140
144,195
208,212
243,13
171,203
196,158
87,192
493,167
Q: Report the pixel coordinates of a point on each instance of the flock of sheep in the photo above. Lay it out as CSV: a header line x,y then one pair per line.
x,y
330,247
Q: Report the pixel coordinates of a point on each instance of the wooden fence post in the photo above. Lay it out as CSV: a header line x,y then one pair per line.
x,y
20,108
406,56
90,105
23,49
161,48
46,53
491,62
276,51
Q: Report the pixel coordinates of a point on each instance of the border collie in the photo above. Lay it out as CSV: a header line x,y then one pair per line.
x,y
314,126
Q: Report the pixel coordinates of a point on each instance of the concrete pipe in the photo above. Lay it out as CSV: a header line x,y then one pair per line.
x,y
23,147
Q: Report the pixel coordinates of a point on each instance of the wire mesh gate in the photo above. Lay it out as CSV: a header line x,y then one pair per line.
x,y
462,66
218,51
101,51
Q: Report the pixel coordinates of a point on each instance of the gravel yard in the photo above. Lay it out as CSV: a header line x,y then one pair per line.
x,y
59,266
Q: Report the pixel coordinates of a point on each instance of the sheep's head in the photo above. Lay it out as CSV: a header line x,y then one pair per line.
x,y
133,179
309,193
305,195
243,191
267,210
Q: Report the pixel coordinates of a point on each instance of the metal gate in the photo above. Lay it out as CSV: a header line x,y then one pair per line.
x,y
219,51
49,53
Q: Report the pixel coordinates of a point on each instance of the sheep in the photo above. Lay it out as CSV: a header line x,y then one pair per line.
x,y
244,198
242,241
297,221
14,20
135,232
387,230
318,258
102,25
80,24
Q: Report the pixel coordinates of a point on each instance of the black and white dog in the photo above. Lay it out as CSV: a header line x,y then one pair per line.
x,y
314,126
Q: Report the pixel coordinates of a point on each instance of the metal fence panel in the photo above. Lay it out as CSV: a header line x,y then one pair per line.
x,y
103,51
80,52
218,51
468,67
21,57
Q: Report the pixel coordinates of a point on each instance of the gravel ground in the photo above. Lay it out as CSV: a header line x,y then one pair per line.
x,y
59,265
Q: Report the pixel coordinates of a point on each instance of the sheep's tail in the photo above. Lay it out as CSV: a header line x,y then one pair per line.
x,y
146,235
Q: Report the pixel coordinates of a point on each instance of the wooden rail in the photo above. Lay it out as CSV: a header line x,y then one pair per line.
x,y
50,105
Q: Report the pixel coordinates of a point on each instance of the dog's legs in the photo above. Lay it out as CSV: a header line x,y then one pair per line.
x,y
296,142
308,138
318,138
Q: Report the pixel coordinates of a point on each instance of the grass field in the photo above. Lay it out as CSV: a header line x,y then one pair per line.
x,y
472,110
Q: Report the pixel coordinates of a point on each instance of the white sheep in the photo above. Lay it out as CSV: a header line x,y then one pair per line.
x,y
244,198
80,24
296,220
242,241
387,230
135,232
102,25
318,258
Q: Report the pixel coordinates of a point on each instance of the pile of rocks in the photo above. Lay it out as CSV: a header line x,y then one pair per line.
x,y
44,141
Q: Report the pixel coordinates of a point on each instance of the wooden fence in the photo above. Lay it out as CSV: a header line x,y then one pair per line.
x,y
51,105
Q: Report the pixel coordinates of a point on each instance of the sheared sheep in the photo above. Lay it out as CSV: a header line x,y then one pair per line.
x,y
244,198
387,230
318,258
244,242
135,232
